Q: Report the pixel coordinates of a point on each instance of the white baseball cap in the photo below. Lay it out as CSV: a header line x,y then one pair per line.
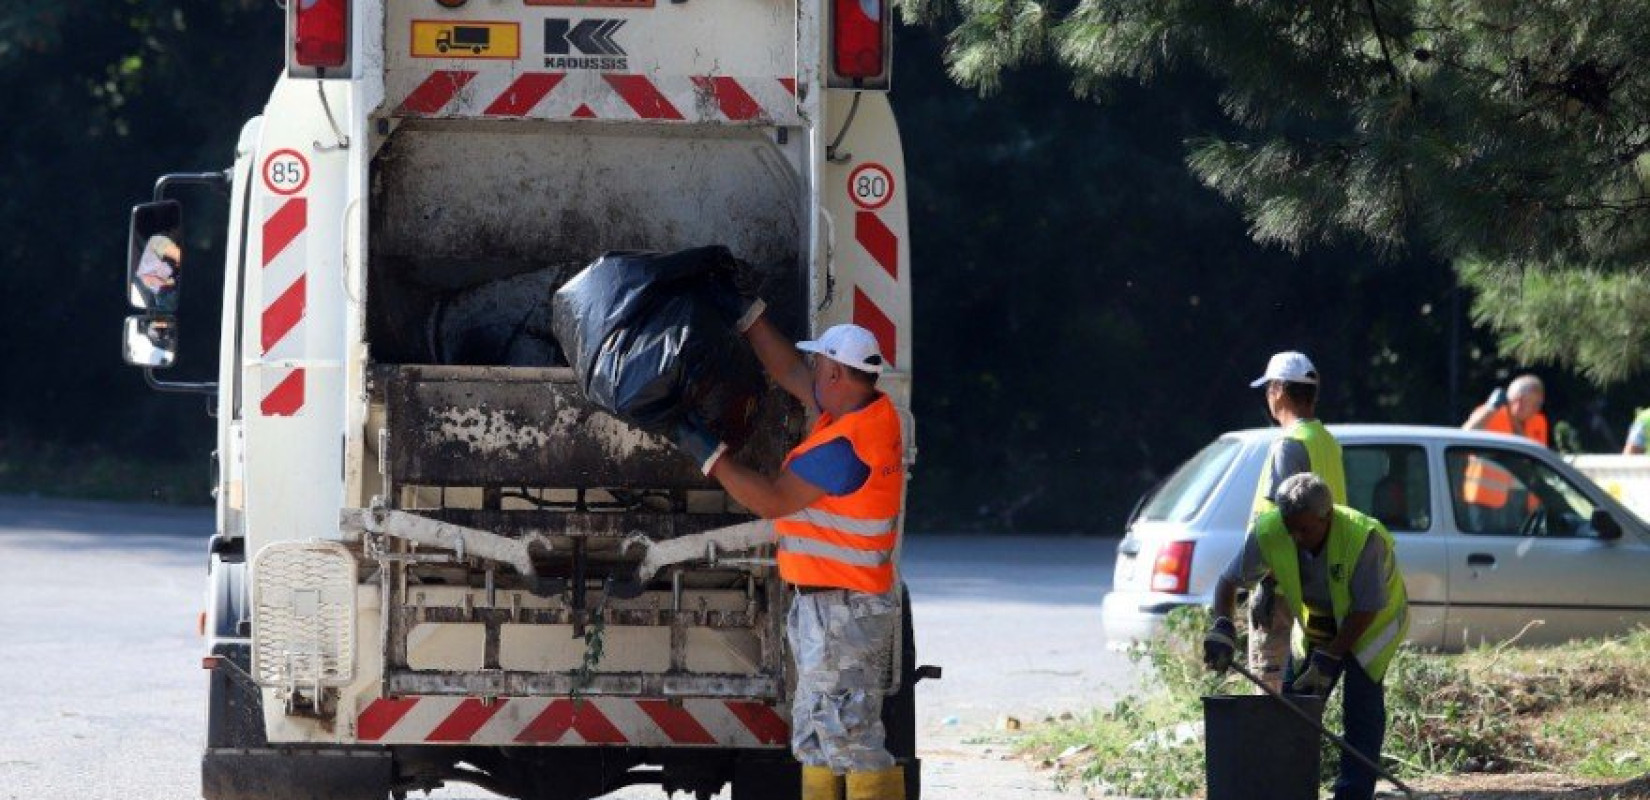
x,y
1288,366
849,345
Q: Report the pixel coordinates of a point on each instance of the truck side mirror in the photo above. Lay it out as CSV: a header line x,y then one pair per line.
x,y
154,259
1606,526
151,341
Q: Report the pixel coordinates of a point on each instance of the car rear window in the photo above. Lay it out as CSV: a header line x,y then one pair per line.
x,y
1190,486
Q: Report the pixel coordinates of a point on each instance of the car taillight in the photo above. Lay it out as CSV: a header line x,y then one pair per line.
x,y
320,33
859,43
1172,572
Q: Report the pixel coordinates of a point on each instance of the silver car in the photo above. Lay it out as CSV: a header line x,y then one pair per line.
x,y
1559,559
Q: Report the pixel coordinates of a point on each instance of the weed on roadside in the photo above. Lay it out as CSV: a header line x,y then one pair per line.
x,y
1577,709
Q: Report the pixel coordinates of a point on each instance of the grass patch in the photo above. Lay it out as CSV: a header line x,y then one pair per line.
x,y
1578,709
91,473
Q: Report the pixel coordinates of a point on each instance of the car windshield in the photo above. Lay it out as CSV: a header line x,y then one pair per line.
x,y
1187,489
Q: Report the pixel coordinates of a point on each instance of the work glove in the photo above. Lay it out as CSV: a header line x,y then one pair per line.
x,y
1219,645
699,444
1322,670
1498,398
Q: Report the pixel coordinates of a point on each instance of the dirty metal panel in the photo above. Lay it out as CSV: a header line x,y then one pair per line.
x,y
588,525
733,62
540,684
502,426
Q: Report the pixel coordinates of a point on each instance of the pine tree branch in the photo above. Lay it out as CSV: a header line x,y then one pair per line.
x,y
1380,38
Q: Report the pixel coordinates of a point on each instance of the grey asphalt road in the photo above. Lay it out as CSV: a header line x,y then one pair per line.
x,y
102,694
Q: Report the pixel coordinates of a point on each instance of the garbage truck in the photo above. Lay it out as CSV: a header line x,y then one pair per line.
x,y
427,565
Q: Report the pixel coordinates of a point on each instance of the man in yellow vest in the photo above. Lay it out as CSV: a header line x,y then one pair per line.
x,y
1637,434
836,507
1487,487
1337,570
1305,445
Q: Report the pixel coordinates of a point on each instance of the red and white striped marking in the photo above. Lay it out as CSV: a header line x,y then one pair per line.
x,y
602,95
590,721
882,245
286,296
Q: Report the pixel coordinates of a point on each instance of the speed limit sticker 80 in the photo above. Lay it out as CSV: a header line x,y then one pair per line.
x,y
871,186
286,172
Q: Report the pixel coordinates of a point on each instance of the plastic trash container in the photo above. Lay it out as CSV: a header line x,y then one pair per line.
x,y
1255,749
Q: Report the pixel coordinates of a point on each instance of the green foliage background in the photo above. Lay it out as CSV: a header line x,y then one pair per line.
x,y
1088,314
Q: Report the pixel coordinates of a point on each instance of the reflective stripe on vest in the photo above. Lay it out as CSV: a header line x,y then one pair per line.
x,y
1323,454
1484,483
1348,532
848,542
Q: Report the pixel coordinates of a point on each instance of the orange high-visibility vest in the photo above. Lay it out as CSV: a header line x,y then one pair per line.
x,y
1535,428
848,542
1485,483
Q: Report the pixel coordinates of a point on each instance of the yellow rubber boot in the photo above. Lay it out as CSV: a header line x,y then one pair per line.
x,y
884,784
820,783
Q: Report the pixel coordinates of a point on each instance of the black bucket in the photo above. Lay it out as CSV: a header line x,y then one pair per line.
x,y
1256,749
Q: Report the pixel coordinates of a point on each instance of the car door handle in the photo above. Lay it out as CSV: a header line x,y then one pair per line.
x,y
1480,560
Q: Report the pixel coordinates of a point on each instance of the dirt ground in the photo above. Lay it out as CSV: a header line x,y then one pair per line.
x,y
1526,787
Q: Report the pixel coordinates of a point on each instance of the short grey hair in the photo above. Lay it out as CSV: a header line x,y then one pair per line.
x,y
1526,384
1304,492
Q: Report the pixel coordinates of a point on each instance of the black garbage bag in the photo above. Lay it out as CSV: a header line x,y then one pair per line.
x,y
652,338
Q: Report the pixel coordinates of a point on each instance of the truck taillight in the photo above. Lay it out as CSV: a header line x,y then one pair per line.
x,y
1172,572
320,33
861,31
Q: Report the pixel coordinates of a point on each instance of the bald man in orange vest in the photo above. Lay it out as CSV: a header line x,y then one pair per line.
x,y
1486,486
835,505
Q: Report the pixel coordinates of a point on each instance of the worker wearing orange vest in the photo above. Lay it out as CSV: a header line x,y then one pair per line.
x,y
836,509
1486,486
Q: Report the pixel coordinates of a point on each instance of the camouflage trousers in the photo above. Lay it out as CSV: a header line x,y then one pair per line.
x,y
1271,631
840,640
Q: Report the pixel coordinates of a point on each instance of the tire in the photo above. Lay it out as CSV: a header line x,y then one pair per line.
x,y
775,776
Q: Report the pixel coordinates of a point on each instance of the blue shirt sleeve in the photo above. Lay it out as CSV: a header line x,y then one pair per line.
x,y
833,466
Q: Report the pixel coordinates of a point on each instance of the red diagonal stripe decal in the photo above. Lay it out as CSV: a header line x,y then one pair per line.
x,y
736,103
550,725
284,314
871,318
284,401
676,722
465,720
642,96
381,715
283,226
524,94
564,715
761,721
877,240
436,91
584,112
789,84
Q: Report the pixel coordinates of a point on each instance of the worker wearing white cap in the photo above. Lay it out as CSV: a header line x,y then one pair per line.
x,y
836,507
1305,445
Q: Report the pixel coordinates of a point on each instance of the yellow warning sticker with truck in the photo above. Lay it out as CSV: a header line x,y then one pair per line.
x,y
466,39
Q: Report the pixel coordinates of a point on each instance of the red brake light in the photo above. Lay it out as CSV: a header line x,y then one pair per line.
x,y
859,46
320,33
1172,571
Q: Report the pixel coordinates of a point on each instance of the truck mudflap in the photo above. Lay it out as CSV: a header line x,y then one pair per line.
x,y
597,721
294,774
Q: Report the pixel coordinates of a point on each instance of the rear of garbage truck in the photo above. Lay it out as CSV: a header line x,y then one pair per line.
x,y
419,575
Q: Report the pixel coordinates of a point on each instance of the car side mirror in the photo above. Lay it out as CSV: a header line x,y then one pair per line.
x,y
1606,526
154,258
151,341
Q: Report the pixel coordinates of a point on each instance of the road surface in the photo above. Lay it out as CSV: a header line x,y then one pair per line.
x,y
103,693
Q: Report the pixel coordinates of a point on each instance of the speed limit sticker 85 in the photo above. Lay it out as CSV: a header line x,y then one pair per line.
x,y
871,186
286,172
